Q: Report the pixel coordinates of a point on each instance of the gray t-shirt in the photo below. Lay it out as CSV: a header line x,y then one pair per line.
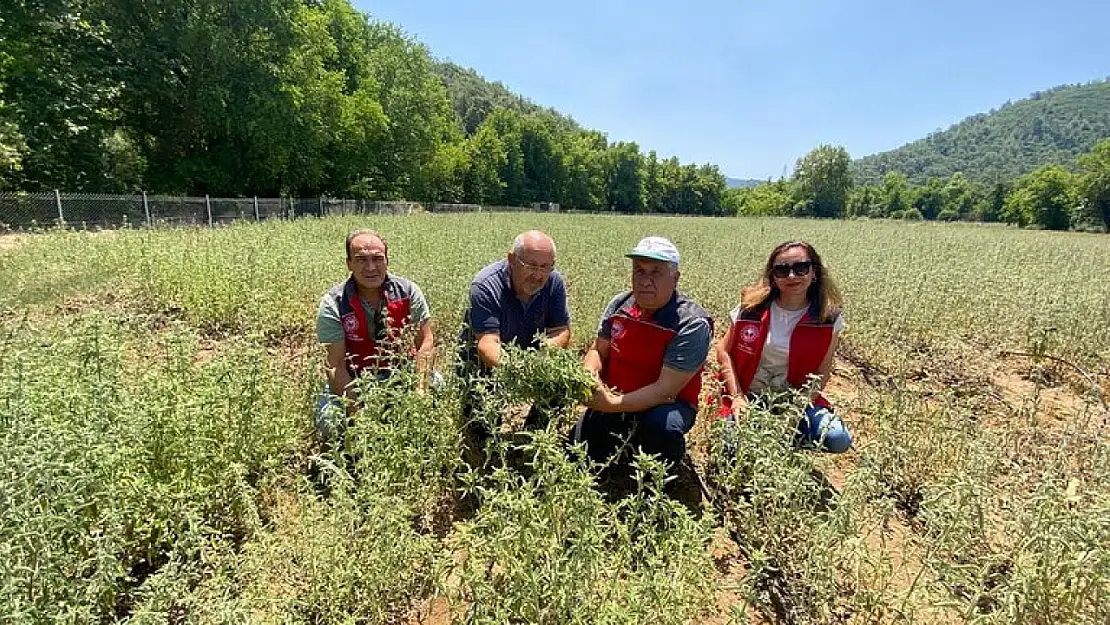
x,y
329,327
689,348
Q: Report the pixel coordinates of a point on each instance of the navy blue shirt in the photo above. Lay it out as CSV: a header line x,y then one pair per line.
x,y
494,307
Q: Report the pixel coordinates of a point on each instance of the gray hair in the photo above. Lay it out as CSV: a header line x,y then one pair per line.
x,y
673,267
518,242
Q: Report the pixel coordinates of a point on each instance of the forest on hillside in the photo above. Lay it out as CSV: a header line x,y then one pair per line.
x,y
315,98
287,97
1053,197
1050,127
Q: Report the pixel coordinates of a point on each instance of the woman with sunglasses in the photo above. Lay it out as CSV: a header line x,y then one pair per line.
x,y
785,330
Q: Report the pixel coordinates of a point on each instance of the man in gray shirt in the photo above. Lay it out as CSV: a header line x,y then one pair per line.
x,y
651,348
362,321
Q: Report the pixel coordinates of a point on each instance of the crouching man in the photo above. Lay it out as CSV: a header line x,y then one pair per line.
x,y
651,347
360,323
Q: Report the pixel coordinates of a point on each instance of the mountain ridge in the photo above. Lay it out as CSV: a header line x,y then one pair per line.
x,y
1053,126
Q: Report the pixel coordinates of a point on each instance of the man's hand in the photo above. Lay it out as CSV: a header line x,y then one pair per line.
x,y
596,356
603,400
489,349
663,390
557,337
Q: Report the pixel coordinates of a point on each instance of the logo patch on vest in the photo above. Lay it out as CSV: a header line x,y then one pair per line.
x,y
350,325
749,333
617,329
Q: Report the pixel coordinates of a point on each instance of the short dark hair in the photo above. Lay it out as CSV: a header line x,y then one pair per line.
x,y
373,233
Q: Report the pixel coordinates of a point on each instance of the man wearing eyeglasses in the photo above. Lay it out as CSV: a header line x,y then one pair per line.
x,y
361,322
651,348
515,300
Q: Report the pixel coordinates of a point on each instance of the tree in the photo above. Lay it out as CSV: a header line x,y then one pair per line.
x,y
992,205
414,102
960,198
1055,127
896,195
271,97
865,201
822,182
1045,198
473,98
544,169
60,88
653,186
507,124
1094,181
711,190
485,154
585,178
672,197
625,177
11,150
929,199
446,177
769,198
11,141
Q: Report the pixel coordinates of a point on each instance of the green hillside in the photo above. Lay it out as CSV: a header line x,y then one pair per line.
x,y
474,98
1053,126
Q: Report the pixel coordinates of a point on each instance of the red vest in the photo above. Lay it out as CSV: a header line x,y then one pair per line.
x,y
362,349
809,343
638,342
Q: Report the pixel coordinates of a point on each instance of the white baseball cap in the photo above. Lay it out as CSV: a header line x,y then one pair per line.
x,y
655,248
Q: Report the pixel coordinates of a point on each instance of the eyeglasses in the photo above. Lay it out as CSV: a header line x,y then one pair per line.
x,y
540,268
800,269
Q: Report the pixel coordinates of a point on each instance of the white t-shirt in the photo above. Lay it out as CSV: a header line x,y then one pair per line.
x,y
776,351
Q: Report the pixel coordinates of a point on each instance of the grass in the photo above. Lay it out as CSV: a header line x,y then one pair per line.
x,y
156,390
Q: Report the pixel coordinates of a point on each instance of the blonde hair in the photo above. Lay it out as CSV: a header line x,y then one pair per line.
x,y
822,290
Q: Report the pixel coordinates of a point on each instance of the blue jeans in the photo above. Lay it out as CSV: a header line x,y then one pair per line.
x,y
331,413
660,431
819,428
824,429
330,417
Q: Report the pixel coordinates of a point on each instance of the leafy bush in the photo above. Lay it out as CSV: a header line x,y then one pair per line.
x,y
550,376
547,548
778,508
118,463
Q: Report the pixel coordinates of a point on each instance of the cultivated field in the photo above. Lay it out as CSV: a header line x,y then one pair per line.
x,y
156,390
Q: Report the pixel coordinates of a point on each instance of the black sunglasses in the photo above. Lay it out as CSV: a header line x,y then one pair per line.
x,y
799,269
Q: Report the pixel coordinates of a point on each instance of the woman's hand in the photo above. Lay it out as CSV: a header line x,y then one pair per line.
x,y
739,407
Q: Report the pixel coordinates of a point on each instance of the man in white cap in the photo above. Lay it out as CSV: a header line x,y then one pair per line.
x,y
651,347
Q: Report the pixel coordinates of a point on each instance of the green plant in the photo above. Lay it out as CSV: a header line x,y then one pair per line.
x,y
547,548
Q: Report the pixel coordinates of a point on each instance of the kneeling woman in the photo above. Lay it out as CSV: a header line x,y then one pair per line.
x,y
785,329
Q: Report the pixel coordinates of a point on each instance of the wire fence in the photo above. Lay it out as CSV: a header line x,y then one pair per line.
x,y
32,211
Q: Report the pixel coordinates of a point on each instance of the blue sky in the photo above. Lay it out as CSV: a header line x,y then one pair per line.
x,y
752,86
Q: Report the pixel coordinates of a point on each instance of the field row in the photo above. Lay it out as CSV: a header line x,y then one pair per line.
x,y
155,403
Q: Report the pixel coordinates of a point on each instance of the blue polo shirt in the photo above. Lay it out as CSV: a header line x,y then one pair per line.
x,y
494,307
